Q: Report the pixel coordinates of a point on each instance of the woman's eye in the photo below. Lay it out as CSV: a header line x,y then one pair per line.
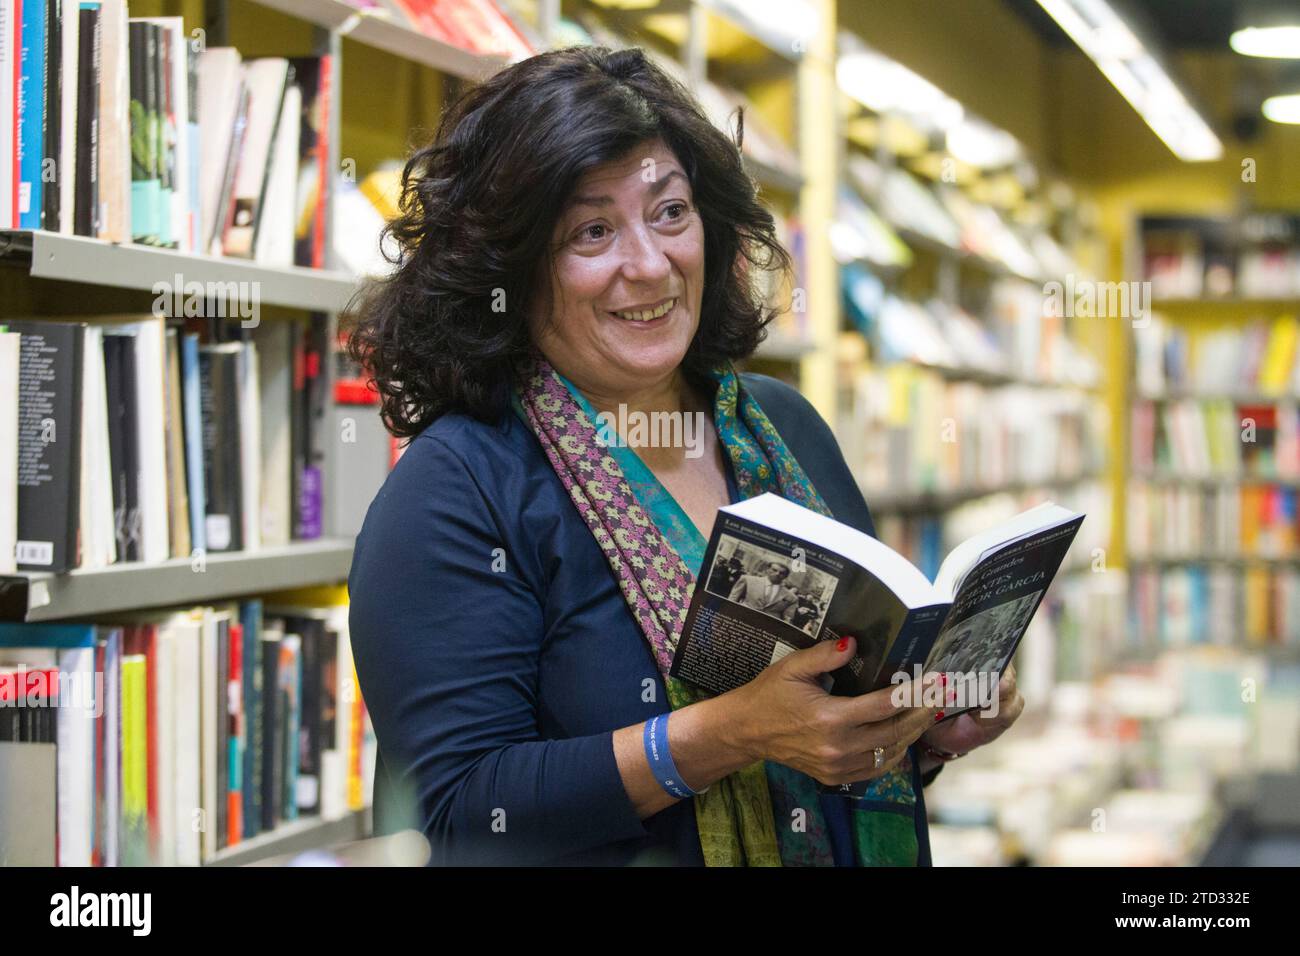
x,y
675,210
593,233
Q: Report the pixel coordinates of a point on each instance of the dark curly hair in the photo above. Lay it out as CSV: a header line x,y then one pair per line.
x,y
477,209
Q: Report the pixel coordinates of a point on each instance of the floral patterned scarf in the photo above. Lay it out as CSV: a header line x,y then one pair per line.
x,y
766,814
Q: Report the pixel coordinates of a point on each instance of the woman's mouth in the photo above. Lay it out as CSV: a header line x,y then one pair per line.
x,y
646,314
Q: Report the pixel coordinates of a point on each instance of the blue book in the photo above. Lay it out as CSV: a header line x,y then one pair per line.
x,y
47,635
31,112
250,615
193,439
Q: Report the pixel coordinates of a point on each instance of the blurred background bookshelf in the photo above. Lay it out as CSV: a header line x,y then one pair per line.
x,y
953,180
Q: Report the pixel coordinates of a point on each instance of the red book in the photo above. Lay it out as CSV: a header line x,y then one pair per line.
x,y
235,736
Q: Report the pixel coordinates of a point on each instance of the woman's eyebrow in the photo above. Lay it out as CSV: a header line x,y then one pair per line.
x,y
657,186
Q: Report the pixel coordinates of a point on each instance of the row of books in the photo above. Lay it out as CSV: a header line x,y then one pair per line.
x,y
1215,437
478,26
163,738
946,216
128,438
905,429
1017,340
1189,258
122,128
925,539
1255,605
1259,357
1185,522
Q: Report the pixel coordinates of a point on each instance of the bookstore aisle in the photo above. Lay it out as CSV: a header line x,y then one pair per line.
x,y
1041,251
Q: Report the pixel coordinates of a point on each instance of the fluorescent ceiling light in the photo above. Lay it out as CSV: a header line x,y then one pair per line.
x,y
885,86
1140,78
1281,42
1283,109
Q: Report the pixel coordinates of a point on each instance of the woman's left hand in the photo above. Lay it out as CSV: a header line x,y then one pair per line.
x,y
972,729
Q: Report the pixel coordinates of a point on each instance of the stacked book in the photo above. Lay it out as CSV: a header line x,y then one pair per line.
x,y
143,438
163,738
1252,604
1257,357
124,129
907,430
1186,522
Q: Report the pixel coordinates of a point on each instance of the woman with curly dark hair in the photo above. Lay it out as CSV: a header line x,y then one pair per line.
x,y
577,250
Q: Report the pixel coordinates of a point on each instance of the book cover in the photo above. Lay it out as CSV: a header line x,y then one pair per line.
x,y
778,578
9,346
50,380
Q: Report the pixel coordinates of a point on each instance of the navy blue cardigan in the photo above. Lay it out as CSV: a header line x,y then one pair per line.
x,y
497,657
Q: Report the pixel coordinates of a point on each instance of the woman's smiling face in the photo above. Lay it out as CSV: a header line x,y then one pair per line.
x,y
628,275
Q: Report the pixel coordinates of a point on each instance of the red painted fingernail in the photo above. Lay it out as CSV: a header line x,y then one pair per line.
x,y
943,678
938,717
842,644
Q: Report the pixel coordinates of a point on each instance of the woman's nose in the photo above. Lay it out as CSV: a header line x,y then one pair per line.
x,y
644,258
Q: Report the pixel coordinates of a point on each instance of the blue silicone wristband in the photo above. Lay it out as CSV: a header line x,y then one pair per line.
x,y
661,761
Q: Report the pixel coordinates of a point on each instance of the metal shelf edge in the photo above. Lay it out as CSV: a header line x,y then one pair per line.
x,y
128,266
34,596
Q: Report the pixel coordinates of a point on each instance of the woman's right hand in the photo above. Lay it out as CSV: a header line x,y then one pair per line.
x,y
787,716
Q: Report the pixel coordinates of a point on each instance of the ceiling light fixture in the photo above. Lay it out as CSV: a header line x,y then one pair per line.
x,y
886,86
1283,109
1140,78
1278,42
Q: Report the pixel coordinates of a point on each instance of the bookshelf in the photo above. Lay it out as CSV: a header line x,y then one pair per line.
x,y
374,28
1213,469
81,259
69,277
35,597
64,276
294,838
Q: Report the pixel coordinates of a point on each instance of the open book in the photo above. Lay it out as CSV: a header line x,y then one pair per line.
x,y
778,577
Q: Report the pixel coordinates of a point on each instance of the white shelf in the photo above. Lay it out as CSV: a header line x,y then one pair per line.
x,y
297,836
50,255
375,28
37,596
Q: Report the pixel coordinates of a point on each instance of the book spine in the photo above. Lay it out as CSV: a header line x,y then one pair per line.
x,y
270,752
32,99
236,742
252,687
52,115
86,213
222,702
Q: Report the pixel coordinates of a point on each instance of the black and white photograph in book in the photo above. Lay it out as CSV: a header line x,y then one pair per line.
x,y
779,585
979,645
